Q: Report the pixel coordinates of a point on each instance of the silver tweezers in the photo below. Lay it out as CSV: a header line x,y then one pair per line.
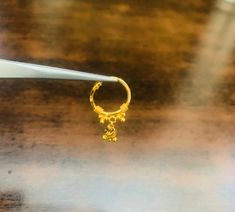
x,y
13,69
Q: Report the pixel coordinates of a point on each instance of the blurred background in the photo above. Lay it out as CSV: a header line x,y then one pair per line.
x,y
176,151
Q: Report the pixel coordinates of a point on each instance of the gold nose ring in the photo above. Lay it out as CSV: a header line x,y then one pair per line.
x,y
111,118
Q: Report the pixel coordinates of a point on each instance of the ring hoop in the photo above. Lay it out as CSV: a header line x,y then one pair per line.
x,y
111,117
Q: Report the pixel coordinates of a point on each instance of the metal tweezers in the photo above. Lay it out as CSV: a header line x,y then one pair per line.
x,y
13,69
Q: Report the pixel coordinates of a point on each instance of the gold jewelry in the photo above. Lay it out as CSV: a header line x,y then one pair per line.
x,y
111,117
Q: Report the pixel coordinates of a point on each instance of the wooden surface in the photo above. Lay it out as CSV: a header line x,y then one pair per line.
x,y
176,151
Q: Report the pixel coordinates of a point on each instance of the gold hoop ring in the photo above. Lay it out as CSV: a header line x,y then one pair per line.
x,y
111,117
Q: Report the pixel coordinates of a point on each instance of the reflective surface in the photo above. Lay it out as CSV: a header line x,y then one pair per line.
x,y
176,149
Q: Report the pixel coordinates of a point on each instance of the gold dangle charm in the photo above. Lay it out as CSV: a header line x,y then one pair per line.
x,y
111,118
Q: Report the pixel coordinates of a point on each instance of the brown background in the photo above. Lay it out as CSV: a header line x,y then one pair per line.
x,y
176,150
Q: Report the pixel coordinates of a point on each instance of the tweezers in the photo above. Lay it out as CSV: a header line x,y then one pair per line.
x,y
14,69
